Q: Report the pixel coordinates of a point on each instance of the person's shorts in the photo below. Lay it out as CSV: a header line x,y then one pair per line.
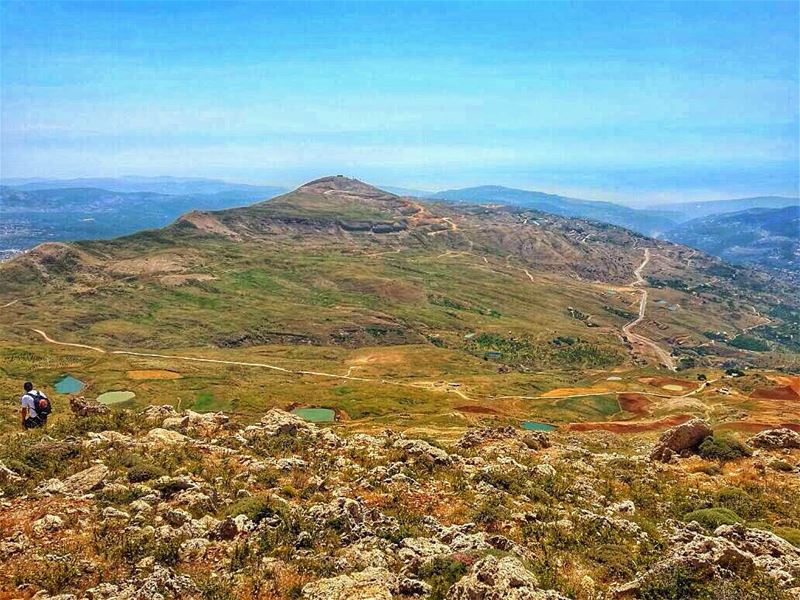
x,y
32,423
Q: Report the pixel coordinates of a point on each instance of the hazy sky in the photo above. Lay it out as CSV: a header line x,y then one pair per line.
x,y
637,102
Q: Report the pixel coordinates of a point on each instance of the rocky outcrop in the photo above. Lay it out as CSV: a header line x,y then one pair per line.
x,y
424,450
82,407
481,435
680,440
774,555
776,438
373,583
200,424
505,578
732,551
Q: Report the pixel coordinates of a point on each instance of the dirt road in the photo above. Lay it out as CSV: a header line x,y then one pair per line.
x,y
639,340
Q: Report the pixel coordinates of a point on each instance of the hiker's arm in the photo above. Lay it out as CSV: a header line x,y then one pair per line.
x,y
23,413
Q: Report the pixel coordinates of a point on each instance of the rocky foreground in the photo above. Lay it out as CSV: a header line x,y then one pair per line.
x,y
166,505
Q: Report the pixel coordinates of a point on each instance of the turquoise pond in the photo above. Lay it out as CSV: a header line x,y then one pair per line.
x,y
68,385
535,426
316,415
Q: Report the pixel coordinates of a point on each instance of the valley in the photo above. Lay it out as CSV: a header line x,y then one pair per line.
x,y
396,310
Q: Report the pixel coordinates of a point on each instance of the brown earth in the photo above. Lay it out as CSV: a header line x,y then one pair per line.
x,y
153,374
566,392
631,427
479,410
756,426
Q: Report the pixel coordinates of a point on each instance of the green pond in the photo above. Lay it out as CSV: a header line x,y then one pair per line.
x,y
316,415
68,385
115,397
536,426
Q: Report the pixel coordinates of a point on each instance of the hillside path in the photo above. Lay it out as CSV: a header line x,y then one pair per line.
x,y
50,340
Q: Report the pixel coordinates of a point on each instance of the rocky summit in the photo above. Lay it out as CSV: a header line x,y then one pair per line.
x,y
155,504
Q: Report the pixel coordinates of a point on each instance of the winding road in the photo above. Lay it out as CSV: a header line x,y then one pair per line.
x,y
635,338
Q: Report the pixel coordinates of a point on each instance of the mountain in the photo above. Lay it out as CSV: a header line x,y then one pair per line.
x,y
648,222
764,237
156,185
694,210
31,217
338,263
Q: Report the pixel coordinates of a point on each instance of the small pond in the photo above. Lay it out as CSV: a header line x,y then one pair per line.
x,y
316,415
67,384
536,426
115,397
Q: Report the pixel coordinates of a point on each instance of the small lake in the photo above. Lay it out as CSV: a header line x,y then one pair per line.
x,y
316,415
536,426
115,397
67,384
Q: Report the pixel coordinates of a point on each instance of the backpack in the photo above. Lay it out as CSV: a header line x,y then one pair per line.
x,y
42,409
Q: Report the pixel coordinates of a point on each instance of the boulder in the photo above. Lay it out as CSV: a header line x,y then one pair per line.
x,y
7,475
157,413
422,449
505,578
680,439
373,583
47,524
202,424
476,437
164,437
280,422
86,480
778,558
82,407
776,438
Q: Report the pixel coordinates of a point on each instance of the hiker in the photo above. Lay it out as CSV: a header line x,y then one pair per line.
x,y
35,407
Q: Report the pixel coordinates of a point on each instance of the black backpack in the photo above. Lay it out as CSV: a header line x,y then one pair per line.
x,y
41,411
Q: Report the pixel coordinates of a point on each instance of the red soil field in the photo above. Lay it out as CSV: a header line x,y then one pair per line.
x,y
785,392
634,403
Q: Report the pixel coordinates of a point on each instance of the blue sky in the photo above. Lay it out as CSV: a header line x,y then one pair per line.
x,y
638,102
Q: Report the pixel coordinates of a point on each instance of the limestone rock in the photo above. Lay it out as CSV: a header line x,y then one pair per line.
x,y
681,438
774,555
423,449
85,481
499,579
476,437
164,437
83,407
776,438
157,413
373,583
47,524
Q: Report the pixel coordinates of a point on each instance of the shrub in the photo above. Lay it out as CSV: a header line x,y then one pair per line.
x,y
441,574
709,469
144,472
711,518
781,465
490,512
740,502
723,448
256,508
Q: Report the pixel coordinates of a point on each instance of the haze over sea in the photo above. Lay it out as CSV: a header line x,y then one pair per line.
x,y
662,103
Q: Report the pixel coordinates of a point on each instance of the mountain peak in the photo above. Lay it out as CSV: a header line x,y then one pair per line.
x,y
341,184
